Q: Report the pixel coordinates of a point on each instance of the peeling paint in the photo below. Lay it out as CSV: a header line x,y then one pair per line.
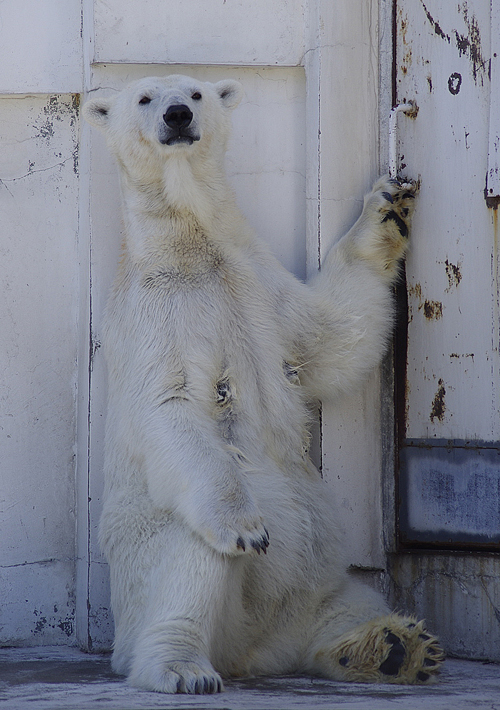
x,y
467,44
438,404
470,44
42,622
435,25
454,275
454,83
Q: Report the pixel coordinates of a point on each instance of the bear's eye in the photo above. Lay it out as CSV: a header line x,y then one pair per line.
x,y
145,100
196,96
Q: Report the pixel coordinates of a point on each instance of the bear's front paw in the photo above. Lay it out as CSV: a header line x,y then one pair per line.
x,y
238,540
395,203
232,524
385,224
257,540
177,677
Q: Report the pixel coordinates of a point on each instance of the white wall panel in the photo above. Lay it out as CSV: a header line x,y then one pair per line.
x,y
40,46
453,359
342,109
262,32
38,316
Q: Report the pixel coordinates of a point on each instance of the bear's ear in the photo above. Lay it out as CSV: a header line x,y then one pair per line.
x,y
230,92
96,112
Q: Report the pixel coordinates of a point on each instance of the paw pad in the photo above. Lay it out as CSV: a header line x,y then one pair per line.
x,y
392,664
397,194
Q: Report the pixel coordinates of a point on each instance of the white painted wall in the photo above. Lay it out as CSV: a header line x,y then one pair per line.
x,y
39,348
305,149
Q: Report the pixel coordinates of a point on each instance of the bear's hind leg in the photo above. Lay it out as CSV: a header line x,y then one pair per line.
x,y
388,649
192,591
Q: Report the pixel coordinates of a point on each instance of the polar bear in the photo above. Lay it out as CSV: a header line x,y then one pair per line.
x,y
224,552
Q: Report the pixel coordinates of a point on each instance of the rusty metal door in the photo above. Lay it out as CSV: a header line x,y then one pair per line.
x,y
448,61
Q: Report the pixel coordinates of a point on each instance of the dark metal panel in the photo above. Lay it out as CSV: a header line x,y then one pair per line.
x,y
450,493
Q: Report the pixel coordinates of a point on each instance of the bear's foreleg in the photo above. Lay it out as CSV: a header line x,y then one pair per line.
x,y
347,333
191,474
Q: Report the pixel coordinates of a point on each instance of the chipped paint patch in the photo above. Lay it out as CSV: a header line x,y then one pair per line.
x,y
454,275
435,25
438,404
468,44
45,621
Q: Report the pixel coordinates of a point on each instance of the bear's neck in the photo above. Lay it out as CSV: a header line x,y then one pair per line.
x,y
163,215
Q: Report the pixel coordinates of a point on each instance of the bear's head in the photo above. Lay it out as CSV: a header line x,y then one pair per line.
x,y
155,118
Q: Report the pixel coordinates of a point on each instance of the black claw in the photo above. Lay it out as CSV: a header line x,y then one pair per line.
x,y
240,543
388,197
403,229
424,637
423,676
344,661
410,626
256,546
408,196
430,662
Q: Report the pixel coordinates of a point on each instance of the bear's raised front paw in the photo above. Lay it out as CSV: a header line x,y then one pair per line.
x,y
178,677
397,203
385,224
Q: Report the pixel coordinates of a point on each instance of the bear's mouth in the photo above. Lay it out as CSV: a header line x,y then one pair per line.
x,y
179,139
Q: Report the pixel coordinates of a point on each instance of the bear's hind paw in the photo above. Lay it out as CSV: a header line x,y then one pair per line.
x,y
390,649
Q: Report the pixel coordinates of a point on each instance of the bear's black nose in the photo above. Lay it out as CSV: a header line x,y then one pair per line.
x,y
178,116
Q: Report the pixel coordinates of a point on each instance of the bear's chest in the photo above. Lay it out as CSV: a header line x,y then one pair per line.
x,y
216,341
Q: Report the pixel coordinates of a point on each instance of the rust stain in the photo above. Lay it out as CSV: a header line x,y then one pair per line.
x,y
433,310
406,59
453,273
416,291
438,404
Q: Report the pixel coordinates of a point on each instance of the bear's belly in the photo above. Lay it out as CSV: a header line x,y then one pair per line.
x,y
221,348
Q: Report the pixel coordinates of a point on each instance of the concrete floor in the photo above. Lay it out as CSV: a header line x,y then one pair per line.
x,y
60,678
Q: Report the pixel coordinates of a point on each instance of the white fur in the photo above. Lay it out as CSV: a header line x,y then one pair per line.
x,y
214,354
